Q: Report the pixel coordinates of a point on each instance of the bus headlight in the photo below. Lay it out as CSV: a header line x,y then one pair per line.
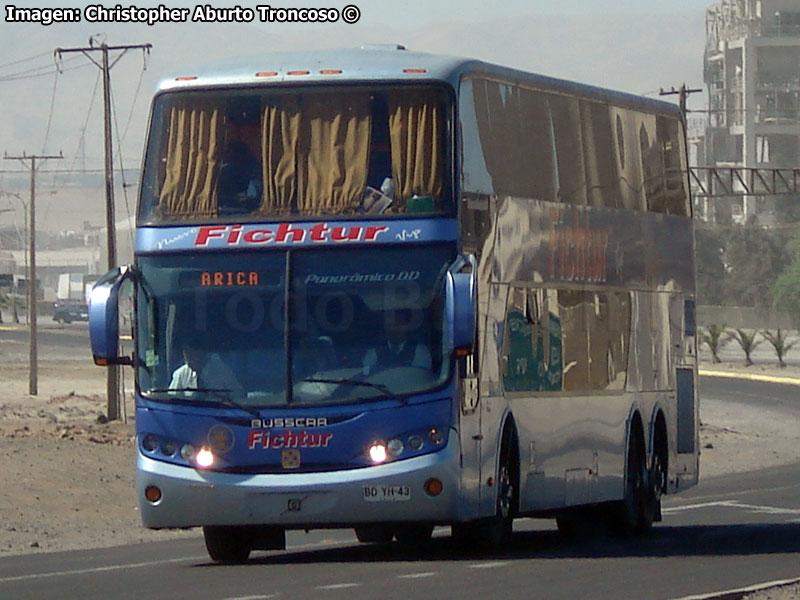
x,y
394,447
204,458
150,443
187,452
377,452
415,442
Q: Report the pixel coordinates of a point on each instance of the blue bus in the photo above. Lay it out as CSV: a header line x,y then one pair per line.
x,y
388,291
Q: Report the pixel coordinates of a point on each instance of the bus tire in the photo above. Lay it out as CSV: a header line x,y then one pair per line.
x,y
494,533
228,544
374,534
659,466
634,514
414,535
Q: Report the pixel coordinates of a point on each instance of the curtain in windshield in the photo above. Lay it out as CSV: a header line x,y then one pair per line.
x,y
191,162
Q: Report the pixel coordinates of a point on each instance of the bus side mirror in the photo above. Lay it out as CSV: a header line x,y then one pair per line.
x,y
104,318
461,305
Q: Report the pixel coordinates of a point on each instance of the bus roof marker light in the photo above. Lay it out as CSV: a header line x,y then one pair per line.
x,y
267,74
204,458
298,73
186,78
415,71
330,72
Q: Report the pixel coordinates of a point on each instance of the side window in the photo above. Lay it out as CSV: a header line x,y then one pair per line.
x,y
596,332
532,345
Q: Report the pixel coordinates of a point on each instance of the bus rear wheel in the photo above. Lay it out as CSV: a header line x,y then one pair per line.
x,y
228,544
635,513
414,535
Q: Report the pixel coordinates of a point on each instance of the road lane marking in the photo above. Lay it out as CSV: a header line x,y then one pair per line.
x,y
257,597
338,586
757,508
743,590
740,492
140,565
98,569
490,565
417,575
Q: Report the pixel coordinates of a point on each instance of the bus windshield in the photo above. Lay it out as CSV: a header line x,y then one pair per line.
x,y
357,326
276,153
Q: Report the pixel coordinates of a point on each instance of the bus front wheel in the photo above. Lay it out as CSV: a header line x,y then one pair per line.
x,y
493,533
374,534
228,544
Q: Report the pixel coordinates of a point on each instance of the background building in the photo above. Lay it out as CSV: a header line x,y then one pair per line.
x,y
752,71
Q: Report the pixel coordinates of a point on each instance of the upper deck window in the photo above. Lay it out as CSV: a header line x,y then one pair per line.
x,y
557,147
280,154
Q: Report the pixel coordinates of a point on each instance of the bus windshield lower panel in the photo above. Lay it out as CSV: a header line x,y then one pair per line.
x,y
267,154
298,327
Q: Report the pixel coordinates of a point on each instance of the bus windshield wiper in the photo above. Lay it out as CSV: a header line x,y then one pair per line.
x,y
224,398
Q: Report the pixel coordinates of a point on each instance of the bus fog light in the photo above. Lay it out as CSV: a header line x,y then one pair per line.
x,y
204,458
152,493
187,452
433,487
415,442
150,443
169,448
377,452
436,436
394,447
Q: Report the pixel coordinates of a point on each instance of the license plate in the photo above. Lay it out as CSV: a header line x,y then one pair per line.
x,y
387,493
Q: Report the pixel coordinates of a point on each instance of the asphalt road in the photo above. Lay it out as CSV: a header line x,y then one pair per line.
x,y
54,342
725,534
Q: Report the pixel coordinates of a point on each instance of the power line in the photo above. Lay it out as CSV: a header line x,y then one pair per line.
x,y
35,71
50,116
22,60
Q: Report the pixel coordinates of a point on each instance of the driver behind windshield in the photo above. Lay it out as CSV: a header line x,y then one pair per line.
x,y
398,349
203,370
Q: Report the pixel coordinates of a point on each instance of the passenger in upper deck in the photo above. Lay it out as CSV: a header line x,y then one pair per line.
x,y
239,187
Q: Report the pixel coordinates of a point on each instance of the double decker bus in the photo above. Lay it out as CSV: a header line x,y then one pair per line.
x,y
385,290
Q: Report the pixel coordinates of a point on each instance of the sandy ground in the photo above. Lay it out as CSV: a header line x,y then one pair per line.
x,y
69,476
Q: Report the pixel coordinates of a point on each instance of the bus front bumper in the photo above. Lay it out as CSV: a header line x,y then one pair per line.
x,y
383,493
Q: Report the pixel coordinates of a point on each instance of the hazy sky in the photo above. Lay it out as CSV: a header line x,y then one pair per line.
x,y
590,45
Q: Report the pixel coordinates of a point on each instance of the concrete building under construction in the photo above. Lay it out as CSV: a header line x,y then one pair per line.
x,y
752,72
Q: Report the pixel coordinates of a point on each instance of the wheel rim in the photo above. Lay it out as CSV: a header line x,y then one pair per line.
x,y
505,494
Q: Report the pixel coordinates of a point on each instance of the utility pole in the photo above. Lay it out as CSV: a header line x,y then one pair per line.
x,y
33,380
112,382
682,92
